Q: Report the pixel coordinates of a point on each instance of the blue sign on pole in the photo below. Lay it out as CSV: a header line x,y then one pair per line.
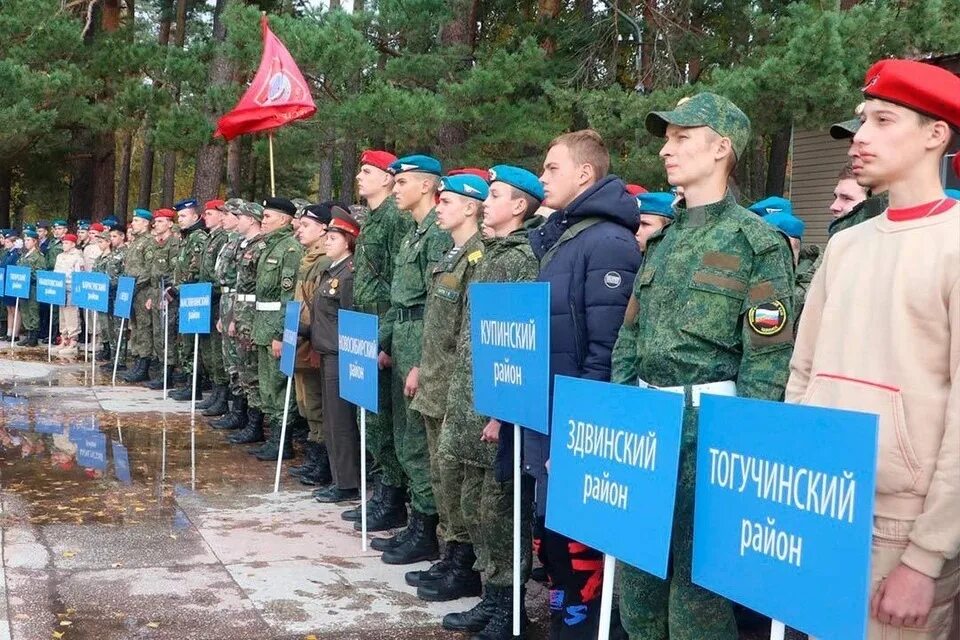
x,y
784,511
121,462
291,323
49,424
92,450
51,287
510,338
3,279
195,300
90,290
123,302
17,282
359,349
613,469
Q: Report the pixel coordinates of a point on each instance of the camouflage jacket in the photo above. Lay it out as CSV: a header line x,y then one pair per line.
x,y
863,211
162,265
225,268
508,259
442,318
138,260
189,261
712,302
54,248
248,254
380,238
806,267
276,276
422,248
213,243
37,262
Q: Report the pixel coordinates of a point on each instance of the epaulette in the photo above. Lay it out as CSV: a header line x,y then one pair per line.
x,y
475,256
761,236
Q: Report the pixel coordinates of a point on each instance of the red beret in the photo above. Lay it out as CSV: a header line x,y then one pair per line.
x,y
165,213
929,90
97,227
635,190
379,159
480,173
69,237
213,204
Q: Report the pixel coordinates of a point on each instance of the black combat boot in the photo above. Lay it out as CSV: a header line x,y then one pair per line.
x,y
237,417
105,353
253,431
500,626
436,571
420,545
311,450
459,581
156,383
474,619
390,513
210,399
218,406
353,515
271,449
185,394
140,371
318,474
29,340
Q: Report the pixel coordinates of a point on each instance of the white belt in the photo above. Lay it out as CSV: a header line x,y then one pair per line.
x,y
246,297
227,290
269,306
723,388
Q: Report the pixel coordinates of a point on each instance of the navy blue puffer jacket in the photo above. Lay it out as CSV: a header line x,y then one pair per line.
x,y
591,279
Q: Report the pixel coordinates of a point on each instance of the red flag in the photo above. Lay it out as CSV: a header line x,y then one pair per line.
x,y
277,95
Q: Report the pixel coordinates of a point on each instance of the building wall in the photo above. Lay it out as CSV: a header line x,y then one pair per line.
x,y
817,159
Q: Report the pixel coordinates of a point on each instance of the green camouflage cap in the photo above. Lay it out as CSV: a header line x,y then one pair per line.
x,y
300,203
252,209
705,110
234,205
848,128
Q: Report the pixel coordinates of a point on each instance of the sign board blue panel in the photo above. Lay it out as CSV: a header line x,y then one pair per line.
x,y
359,350
123,302
121,462
613,469
51,287
510,338
92,450
3,279
291,322
90,290
784,511
17,282
52,425
195,300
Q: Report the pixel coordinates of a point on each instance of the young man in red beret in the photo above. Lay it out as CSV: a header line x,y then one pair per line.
x,y
897,276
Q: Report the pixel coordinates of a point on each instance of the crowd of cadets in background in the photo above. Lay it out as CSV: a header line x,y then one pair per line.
x,y
669,289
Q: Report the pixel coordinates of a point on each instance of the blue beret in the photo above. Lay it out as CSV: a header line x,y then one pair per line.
x,y
519,179
421,164
467,185
142,213
6,233
59,222
953,193
185,204
110,221
83,224
773,204
657,203
789,224
42,224
30,233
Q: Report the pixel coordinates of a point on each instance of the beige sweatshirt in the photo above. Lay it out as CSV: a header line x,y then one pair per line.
x,y
880,333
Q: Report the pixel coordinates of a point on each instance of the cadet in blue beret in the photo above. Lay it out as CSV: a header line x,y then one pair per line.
x,y
417,163
773,204
656,212
518,178
83,224
110,222
189,203
515,196
144,214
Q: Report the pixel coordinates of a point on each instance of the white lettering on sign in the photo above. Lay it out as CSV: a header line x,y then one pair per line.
x,y
46,281
124,296
509,335
195,301
765,540
625,447
92,297
358,347
507,373
356,372
603,489
193,315
88,285
804,489
49,292
18,277
290,336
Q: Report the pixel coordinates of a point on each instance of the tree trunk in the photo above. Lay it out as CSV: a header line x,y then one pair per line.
x,y
348,170
110,20
146,164
104,176
548,11
460,35
777,164
234,168
123,188
169,184
81,182
647,76
252,180
325,177
6,184
209,168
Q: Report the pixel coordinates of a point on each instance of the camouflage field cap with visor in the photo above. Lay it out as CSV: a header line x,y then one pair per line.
x,y
705,110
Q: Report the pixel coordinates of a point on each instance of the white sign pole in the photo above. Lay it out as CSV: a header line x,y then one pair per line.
x,y
283,433
363,479
116,358
16,312
516,530
777,630
166,322
193,414
49,335
93,354
606,595
86,327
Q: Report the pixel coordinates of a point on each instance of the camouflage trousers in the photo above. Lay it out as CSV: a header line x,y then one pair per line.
x,y
184,353
228,347
247,374
446,477
409,433
380,443
487,507
211,349
141,327
273,386
308,387
675,608
30,313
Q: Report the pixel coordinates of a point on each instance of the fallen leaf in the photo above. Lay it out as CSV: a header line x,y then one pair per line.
x,y
69,554
116,565
153,625
58,634
311,637
65,623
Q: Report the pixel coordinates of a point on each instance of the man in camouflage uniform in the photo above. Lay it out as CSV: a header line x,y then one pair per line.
x,y
241,326
458,213
225,279
211,348
166,247
277,270
692,320
468,442
137,263
29,310
186,270
381,234
105,324
111,262
415,185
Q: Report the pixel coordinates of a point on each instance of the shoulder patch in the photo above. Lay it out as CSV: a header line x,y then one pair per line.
x,y
767,319
612,279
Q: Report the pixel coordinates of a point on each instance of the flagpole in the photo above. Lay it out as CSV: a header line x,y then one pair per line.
x,y
273,184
